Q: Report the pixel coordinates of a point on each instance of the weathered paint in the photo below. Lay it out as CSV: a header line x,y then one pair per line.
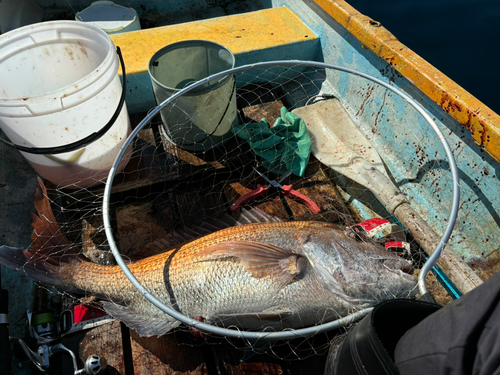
x,y
481,121
412,153
270,34
383,118
242,33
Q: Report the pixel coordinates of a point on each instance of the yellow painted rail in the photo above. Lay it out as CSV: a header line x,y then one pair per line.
x,y
240,33
482,122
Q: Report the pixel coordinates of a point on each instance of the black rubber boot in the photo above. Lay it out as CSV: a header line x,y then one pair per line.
x,y
369,346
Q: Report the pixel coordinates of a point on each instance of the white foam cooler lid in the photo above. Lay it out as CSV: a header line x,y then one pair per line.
x,y
110,17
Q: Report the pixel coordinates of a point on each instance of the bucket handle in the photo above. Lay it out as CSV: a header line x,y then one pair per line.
x,y
85,141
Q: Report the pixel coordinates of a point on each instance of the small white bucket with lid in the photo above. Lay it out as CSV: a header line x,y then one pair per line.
x,y
59,85
110,17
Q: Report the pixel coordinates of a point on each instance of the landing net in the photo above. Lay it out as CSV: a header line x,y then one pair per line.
x,y
178,187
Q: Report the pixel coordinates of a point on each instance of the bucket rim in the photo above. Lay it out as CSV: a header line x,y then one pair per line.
x,y
110,61
198,90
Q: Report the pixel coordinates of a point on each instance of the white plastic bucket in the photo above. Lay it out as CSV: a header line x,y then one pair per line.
x,y
59,85
110,17
202,118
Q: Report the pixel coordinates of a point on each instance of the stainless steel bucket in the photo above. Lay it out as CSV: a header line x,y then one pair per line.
x,y
201,118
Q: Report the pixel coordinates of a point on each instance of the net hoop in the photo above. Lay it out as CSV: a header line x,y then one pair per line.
x,y
295,333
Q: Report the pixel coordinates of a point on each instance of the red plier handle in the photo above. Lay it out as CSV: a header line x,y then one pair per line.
x,y
301,198
260,190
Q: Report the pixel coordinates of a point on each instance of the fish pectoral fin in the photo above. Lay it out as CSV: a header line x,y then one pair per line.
x,y
262,260
145,326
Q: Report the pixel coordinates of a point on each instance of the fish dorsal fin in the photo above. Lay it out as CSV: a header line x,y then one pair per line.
x,y
254,216
261,260
179,236
144,326
171,240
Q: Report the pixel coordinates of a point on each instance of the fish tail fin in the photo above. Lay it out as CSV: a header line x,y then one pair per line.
x,y
19,260
50,252
48,242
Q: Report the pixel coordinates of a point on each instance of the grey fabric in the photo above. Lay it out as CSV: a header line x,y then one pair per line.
x,y
461,338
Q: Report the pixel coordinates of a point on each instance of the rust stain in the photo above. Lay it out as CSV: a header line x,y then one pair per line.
x,y
480,120
381,108
84,51
487,266
365,100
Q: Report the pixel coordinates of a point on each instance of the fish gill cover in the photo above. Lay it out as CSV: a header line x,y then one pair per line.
x,y
210,226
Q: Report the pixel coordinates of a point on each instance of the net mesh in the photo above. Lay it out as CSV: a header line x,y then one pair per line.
x,y
171,191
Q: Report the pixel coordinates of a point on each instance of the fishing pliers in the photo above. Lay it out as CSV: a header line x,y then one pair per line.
x,y
287,190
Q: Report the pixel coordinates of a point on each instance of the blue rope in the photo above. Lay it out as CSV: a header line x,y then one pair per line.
x,y
446,282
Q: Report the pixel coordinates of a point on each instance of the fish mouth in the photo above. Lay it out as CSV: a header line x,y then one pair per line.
x,y
399,265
